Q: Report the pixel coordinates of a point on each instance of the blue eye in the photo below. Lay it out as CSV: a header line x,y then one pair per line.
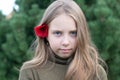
x,y
73,33
57,33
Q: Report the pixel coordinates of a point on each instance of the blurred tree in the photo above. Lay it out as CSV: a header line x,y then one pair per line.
x,y
104,21
26,5
103,18
16,35
1,16
4,28
14,46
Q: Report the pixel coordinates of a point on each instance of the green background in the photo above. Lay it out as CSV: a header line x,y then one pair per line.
x,y
16,33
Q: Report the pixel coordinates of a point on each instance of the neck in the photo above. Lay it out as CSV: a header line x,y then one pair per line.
x,y
60,60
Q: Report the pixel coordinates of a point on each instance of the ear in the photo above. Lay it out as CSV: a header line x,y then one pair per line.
x,y
46,41
47,38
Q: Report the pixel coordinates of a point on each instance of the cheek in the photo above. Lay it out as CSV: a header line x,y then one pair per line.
x,y
75,43
54,43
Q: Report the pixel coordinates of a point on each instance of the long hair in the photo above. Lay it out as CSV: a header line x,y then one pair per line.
x,y
85,62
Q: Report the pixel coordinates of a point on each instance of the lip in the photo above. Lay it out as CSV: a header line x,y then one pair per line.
x,y
65,50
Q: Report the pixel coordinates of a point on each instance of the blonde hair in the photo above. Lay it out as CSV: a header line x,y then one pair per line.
x,y
85,62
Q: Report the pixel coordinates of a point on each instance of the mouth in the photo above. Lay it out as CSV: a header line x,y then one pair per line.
x,y
65,50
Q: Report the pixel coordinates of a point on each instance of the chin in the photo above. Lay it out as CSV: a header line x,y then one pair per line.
x,y
65,57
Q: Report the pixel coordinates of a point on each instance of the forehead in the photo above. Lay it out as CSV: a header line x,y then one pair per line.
x,y
63,22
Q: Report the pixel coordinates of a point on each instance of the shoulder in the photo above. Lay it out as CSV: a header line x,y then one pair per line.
x,y
102,73
25,66
26,72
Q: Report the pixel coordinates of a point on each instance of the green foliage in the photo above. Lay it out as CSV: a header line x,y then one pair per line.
x,y
16,34
103,18
104,25
1,16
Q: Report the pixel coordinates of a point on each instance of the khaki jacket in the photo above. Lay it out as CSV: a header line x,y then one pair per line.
x,y
48,72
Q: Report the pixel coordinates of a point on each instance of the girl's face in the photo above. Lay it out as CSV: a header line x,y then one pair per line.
x,y
62,36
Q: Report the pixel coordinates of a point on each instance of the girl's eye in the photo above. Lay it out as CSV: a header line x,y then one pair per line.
x,y
57,33
73,33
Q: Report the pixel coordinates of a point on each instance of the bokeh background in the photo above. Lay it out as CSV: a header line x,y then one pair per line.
x,y
16,33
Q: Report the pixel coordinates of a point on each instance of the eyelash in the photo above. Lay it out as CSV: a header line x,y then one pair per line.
x,y
73,33
58,33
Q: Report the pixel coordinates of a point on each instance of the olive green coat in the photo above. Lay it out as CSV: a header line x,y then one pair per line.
x,y
48,72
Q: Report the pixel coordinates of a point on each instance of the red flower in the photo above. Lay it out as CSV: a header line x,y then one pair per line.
x,y
41,31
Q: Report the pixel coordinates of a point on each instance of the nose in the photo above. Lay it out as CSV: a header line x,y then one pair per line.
x,y
65,41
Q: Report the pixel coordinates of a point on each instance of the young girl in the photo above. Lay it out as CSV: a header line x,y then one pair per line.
x,y
63,47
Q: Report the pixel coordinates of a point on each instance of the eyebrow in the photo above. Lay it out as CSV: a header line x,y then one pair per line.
x,y
58,29
73,30
62,30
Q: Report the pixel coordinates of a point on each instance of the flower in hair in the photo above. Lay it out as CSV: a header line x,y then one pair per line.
x,y
41,31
